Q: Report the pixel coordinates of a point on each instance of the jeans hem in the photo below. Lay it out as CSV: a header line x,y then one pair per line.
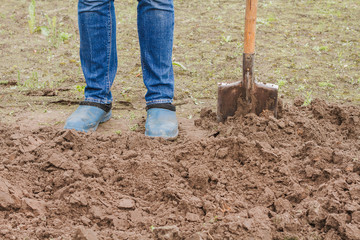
x,y
158,101
97,101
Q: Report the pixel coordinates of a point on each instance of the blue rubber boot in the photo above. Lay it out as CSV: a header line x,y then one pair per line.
x,y
161,123
87,118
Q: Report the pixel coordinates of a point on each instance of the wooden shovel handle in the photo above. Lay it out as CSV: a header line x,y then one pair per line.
x,y
250,26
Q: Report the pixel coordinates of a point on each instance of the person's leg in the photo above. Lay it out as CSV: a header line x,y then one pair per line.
x,y
97,28
156,30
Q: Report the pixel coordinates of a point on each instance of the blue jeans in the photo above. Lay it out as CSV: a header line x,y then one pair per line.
x,y
98,54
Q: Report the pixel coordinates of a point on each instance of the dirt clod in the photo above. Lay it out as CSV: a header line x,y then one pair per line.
x,y
85,234
126,204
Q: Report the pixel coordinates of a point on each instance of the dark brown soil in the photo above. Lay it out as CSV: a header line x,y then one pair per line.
x,y
296,177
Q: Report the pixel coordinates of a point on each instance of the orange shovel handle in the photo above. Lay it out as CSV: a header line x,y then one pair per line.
x,y
250,26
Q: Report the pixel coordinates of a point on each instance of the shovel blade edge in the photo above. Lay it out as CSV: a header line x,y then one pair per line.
x,y
228,95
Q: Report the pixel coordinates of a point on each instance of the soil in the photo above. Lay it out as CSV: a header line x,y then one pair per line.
x,y
254,177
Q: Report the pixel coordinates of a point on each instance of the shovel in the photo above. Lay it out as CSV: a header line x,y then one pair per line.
x,y
247,96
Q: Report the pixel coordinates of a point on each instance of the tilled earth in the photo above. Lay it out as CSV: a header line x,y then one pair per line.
x,y
296,177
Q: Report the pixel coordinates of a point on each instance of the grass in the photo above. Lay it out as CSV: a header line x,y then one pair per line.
x,y
32,19
33,83
326,85
179,65
4,82
134,127
308,98
50,31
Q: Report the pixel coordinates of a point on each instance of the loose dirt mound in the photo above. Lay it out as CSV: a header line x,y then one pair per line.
x,y
252,178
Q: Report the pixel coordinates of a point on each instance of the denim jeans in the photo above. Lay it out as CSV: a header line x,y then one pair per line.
x,y
98,54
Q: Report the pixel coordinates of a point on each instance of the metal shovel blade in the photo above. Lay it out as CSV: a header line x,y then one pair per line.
x,y
232,99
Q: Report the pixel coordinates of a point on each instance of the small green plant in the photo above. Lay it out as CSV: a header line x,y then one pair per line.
x,y
300,88
214,219
80,89
58,122
52,34
64,37
118,132
271,19
281,83
324,48
152,228
33,83
226,39
308,98
132,116
134,127
179,65
321,49
32,20
326,84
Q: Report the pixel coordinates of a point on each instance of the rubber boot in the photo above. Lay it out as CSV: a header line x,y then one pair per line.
x,y
87,118
161,123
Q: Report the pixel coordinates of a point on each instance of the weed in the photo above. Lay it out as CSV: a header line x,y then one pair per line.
x,y
271,19
179,65
132,116
354,81
33,83
118,132
4,82
320,49
219,19
226,39
58,122
134,127
326,84
80,89
214,219
152,228
300,88
308,98
32,20
281,83
52,31
64,37
324,48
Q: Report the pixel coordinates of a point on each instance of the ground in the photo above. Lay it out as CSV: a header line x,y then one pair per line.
x,y
294,177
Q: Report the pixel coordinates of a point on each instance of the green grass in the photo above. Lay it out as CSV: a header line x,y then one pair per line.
x,y
33,83
32,19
